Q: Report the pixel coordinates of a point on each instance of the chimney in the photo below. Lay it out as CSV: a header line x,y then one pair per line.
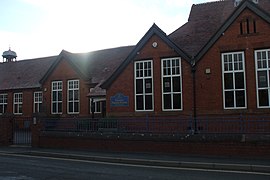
x,y
237,2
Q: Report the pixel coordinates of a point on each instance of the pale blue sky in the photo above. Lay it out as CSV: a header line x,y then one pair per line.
x,y
38,28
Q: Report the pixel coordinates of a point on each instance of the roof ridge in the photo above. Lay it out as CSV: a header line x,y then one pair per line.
x,y
211,2
33,59
100,50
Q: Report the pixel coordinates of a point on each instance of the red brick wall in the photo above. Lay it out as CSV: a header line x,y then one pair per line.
x,y
5,131
125,82
209,87
28,101
64,72
227,148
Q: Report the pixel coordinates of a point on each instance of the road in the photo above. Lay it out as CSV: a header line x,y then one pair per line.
x,y
25,167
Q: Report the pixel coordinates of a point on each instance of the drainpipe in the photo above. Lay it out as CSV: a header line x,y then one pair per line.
x,y
193,70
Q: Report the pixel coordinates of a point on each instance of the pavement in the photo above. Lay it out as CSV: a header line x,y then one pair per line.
x,y
250,164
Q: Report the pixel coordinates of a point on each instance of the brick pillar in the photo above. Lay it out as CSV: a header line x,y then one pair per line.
x,y
36,129
5,131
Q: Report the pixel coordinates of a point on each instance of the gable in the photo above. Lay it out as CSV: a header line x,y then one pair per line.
x,y
63,70
245,5
145,41
155,47
207,21
64,55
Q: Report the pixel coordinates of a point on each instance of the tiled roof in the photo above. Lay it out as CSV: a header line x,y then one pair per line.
x,y
204,21
99,65
94,67
24,74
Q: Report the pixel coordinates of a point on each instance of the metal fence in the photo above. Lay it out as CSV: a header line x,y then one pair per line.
x,y
158,125
119,125
22,134
234,124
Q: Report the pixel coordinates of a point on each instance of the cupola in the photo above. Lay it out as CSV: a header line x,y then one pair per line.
x,y
9,56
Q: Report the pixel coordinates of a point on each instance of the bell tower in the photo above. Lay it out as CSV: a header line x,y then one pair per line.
x,y
9,56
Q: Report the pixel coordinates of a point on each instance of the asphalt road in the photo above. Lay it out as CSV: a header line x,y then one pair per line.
x,y
25,167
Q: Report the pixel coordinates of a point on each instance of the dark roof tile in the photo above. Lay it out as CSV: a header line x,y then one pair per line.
x,y
99,65
24,74
204,21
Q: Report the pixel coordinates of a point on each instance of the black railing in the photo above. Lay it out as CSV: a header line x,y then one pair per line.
x,y
119,125
22,130
158,125
234,124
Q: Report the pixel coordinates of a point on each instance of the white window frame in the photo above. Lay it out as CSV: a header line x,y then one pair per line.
x,y
233,71
97,101
17,103
144,94
267,69
3,102
38,99
72,86
171,75
57,89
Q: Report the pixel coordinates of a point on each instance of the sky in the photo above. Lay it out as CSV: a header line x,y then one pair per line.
x,y
40,28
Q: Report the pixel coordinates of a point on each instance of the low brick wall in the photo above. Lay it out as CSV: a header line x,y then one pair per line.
x,y
232,145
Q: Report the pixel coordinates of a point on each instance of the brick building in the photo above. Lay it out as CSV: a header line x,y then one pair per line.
x,y
20,90
59,85
217,63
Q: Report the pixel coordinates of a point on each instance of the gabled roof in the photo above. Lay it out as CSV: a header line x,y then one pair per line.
x,y
24,74
95,66
154,30
245,4
63,55
208,21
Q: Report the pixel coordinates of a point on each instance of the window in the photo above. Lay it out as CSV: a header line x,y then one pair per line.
x,y
248,26
143,86
57,87
37,101
234,88
262,61
18,102
73,96
3,103
171,84
99,104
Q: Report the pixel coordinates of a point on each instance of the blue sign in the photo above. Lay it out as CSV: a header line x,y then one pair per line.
x,y
119,100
